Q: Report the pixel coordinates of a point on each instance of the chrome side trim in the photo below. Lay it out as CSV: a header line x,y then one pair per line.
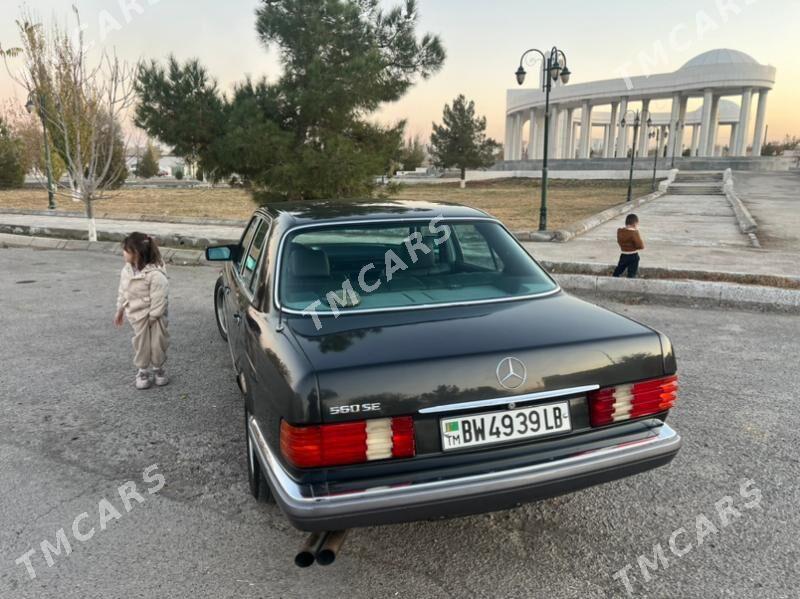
x,y
278,260
502,401
292,498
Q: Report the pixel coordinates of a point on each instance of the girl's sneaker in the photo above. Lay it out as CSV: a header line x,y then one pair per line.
x,y
160,376
143,379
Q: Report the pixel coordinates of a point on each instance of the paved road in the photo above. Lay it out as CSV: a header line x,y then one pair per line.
x,y
680,231
73,430
774,201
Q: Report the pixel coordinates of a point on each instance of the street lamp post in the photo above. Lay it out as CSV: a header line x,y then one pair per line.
x,y
554,66
657,135
30,106
636,122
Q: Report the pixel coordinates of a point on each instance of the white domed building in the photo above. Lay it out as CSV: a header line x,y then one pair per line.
x,y
730,86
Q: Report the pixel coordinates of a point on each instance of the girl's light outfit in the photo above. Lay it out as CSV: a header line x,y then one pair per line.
x,y
144,294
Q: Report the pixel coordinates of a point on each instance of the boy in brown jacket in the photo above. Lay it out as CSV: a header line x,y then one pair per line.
x,y
630,242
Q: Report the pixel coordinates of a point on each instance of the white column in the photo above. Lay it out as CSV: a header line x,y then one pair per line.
x,y
586,129
744,123
555,133
644,131
711,148
732,140
532,134
566,131
761,116
612,131
516,141
695,140
507,144
573,140
682,128
674,117
622,149
705,123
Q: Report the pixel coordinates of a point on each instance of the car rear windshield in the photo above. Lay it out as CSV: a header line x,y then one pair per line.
x,y
395,265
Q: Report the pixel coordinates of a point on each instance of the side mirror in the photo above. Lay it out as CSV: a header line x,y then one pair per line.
x,y
222,253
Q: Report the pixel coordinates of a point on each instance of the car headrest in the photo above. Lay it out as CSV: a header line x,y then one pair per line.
x,y
305,262
424,260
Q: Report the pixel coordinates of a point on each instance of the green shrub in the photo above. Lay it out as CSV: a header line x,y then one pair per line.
x,y
12,159
177,172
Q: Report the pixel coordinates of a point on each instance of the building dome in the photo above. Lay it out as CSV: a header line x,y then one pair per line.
x,y
718,57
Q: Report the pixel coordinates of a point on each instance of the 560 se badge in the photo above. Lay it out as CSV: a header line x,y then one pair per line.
x,y
509,425
354,408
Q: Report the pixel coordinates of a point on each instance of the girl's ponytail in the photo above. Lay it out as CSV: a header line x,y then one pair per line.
x,y
144,247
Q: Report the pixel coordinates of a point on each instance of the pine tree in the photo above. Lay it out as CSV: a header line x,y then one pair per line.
x,y
306,135
148,164
461,140
413,154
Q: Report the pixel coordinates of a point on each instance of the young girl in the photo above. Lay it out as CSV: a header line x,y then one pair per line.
x,y
142,297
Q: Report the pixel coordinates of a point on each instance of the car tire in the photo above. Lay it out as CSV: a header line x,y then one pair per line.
x,y
259,487
219,308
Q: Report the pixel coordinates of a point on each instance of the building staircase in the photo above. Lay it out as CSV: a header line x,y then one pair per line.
x,y
697,183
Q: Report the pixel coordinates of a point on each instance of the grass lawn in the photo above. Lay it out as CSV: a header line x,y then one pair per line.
x,y
514,201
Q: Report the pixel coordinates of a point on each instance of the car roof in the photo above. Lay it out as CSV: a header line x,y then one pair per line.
x,y
335,211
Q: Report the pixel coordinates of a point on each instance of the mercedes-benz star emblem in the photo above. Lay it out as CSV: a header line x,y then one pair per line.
x,y
511,373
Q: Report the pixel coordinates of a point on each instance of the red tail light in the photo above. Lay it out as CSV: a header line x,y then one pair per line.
x,y
347,443
623,402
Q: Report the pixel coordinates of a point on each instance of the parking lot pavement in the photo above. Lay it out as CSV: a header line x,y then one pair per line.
x,y
73,430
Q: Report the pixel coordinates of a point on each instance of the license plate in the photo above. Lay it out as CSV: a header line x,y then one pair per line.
x,y
504,426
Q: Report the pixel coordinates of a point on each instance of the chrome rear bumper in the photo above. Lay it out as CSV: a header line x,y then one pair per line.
x,y
462,495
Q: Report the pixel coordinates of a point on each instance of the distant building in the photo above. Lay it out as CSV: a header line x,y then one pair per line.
x,y
711,76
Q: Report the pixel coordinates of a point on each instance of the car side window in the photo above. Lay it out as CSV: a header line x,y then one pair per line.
x,y
475,249
261,258
245,242
251,260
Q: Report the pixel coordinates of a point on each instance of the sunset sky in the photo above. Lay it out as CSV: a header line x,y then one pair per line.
x,y
483,39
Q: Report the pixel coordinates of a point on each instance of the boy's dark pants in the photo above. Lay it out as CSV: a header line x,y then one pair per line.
x,y
629,262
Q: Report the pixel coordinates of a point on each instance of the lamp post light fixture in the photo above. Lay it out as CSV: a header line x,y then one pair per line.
x,y
30,106
554,67
637,120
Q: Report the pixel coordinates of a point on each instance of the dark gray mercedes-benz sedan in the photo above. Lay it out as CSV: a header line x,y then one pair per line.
x,y
408,360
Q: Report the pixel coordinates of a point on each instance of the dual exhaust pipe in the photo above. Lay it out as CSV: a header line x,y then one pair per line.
x,y
320,547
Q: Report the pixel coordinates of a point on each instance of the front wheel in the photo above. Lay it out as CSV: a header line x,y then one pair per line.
x,y
219,308
259,488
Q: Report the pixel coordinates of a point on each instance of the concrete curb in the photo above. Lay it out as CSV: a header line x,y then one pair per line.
x,y
747,224
651,272
727,295
587,224
171,255
167,241
598,219
179,220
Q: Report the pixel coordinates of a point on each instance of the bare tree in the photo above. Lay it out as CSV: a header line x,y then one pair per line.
x,y
82,105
